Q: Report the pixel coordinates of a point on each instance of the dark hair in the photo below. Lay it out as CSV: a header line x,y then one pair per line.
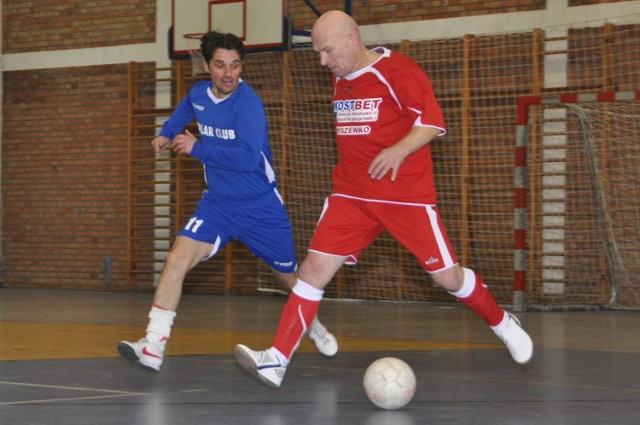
x,y
214,40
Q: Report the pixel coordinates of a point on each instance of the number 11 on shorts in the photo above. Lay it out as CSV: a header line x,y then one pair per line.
x,y
194,224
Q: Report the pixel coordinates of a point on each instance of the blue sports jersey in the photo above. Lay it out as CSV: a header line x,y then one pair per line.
x,y
234,146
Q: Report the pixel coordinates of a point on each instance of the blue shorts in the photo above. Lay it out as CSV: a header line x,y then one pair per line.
x,y
261,224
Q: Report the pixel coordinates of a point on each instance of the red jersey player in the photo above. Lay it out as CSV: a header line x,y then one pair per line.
x,y
386,115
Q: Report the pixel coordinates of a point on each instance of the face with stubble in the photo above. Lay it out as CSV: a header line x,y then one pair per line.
x,y
224,68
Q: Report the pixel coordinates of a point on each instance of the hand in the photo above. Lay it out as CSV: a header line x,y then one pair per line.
x,y
160,143
183,143
389,159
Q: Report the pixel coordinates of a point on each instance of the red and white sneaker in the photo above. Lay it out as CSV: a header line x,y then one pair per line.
x,y
147,354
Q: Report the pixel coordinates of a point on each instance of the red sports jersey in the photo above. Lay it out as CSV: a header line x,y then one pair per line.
x,y
374,108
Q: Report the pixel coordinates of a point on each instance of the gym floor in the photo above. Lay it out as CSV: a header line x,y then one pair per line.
x,y
59,365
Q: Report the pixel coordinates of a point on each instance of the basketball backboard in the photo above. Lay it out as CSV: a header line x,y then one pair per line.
x,y
261,24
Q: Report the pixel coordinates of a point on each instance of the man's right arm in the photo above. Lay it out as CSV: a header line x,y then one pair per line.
x,y
182,115
160,143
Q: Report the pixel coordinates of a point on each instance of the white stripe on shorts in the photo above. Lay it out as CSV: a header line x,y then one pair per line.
x,y
437,233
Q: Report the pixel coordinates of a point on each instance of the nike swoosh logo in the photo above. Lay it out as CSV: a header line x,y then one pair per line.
x,y
150,354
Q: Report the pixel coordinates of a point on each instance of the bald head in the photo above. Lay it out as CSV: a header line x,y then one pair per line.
x,y
335,36
334,21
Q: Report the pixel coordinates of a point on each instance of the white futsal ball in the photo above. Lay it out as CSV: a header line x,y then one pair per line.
x,y
389,383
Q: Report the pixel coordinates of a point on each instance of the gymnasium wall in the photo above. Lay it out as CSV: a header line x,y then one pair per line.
x,y
64,132
64,143
31,26
65,176
376,12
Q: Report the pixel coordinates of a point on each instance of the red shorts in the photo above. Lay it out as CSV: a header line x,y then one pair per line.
x,y
349,225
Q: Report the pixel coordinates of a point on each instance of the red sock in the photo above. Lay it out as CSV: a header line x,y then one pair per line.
x,y
481,301
297,315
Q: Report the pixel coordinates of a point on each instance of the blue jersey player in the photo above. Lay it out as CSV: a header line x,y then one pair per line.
x,y
241,200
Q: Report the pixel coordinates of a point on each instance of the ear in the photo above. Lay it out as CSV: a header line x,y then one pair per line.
x,y
353,38
205,65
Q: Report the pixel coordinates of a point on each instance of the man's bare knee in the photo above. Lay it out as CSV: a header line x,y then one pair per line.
x,y
450,279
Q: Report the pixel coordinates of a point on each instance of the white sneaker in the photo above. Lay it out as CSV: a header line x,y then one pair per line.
x,y
325,341
517,340
145,353
261,364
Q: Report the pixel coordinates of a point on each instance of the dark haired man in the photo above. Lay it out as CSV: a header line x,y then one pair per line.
x,y
241,202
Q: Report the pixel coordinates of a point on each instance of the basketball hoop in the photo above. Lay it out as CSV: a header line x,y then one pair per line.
x,y
195,54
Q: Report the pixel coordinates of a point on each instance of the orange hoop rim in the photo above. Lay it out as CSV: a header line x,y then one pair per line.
x,y
193,35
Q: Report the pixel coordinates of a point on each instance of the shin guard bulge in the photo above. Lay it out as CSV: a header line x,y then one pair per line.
x,y
298,314
477,297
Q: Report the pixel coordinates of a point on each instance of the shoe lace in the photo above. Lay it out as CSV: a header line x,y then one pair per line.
x,y
319,333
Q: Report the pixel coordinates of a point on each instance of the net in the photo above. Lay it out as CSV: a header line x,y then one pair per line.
x,y
195,55
583,208
195,58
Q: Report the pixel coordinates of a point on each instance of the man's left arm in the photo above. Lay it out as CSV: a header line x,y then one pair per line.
x,y
391,158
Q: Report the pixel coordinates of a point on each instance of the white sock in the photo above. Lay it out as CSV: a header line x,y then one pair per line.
x,y
160,323
306,291
468,284
502,325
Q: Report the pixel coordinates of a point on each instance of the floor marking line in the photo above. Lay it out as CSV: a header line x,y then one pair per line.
x,y
60,387
53,400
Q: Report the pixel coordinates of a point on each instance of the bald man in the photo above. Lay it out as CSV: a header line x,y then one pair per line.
x,y
386,116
